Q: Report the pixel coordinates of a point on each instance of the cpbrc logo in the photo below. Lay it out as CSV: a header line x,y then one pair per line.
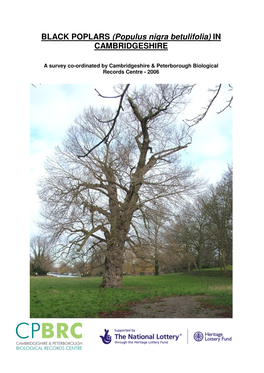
x,y
198,336
62,330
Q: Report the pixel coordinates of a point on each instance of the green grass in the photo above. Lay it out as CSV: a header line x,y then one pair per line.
x,y
214,272
52,297
229,268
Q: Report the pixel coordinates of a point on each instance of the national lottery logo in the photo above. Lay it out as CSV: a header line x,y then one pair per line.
x,y
198,336
106,338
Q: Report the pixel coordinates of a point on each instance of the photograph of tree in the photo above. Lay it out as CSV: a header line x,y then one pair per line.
x,y
120,202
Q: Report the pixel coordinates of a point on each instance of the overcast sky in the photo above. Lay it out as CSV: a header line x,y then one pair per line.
x,y
53,109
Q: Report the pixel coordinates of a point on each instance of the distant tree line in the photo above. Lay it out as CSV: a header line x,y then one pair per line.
x,y
201,235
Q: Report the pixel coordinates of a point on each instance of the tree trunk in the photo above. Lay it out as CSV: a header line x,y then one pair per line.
x,y
113,273
223,258
156,272
200,259
114,256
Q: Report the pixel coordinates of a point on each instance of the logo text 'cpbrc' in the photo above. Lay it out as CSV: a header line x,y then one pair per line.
x,y
23,330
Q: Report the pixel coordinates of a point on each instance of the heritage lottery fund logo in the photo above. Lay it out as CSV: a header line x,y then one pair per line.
x,y
211,337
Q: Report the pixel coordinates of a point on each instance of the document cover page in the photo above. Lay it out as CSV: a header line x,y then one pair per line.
x,y
131,186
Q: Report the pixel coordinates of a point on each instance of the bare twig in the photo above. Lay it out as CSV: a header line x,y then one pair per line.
x,y
111,120
199,117
99,94
228,102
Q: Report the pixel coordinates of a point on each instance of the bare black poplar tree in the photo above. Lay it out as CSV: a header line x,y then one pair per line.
x,y
112,164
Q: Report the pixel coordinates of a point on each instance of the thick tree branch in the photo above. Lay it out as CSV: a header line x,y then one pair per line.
x,y
111,120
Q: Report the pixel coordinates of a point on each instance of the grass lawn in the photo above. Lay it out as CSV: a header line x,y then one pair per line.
x,y
55,297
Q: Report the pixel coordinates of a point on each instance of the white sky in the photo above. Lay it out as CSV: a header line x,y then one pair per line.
x,y
53,109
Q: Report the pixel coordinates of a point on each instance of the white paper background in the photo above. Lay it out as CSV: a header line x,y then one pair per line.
x,y
240,59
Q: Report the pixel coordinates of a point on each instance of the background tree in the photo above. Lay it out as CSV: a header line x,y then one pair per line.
x,y
219,208
202,232
91,200
40,259
179,243
146,238
88,261
194,223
